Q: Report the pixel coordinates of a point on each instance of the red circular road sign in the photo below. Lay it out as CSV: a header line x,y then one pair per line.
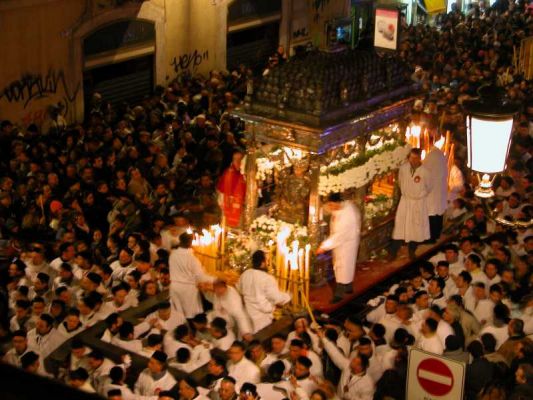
x,y
435,377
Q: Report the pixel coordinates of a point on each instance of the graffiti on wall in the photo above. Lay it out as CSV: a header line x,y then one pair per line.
x,y
189,61
300,33
37,86
31,88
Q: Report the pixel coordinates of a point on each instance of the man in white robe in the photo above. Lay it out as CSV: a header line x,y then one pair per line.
x,y
186,272
355,383
240,368
43,339
125,339
437,200
302,377
260,292
345,233
411,224
189,361
430,340
69,328
99,368
165,319
20,347
227,304
156,377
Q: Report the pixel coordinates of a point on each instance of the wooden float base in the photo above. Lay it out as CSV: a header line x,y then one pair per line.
x,y
367,275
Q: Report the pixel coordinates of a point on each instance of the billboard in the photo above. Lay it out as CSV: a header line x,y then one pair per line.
x,y
386,30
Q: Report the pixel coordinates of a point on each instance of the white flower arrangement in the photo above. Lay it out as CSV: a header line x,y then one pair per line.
x,y
359,176
377,206
265,229
262,234
265,167
239,249
277,160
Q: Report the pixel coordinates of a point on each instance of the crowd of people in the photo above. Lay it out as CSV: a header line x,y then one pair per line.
x,y
94,218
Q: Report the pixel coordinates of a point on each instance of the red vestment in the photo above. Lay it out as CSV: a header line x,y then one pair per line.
x,y
233,186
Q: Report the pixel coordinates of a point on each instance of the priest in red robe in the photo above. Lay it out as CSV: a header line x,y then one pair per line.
x,y
232,188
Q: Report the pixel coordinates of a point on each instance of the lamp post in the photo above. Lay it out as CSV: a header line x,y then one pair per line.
x,y
489,124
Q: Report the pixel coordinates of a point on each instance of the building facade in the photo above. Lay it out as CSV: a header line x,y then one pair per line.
x,y
62,51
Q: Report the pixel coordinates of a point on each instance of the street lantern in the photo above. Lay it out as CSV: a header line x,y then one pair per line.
x,y
489,124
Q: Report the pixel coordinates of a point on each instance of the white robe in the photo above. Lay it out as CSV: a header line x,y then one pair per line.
x,y
200,356
261,294
355,387
230,307
127,394
444,329
484,311
451,288
345,233
76,362
469,300
133,345
13,358
391,322
274,391
100,376
172,346
224,343
62,335
271,358
147,386
244,371
186,272
307,385
431,344
456,183
501,334
412,223
43,345
176,318
437,165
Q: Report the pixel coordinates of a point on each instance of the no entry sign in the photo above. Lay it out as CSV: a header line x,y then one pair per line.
x,y
434,377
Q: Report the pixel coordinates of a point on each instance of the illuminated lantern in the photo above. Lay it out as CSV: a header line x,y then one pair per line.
x,y
489,124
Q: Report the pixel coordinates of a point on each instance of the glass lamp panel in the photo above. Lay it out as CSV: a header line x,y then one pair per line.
x,y
490,144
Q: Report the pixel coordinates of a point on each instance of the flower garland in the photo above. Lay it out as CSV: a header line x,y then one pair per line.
x,y
357,171
337,167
